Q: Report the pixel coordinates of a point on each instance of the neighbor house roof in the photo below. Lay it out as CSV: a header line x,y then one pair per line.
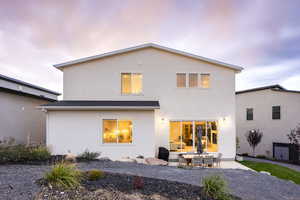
x,y
156,46
6,78
106,105
277,88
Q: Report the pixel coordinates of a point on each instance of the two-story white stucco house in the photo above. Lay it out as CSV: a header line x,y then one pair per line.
x,y
273,110
129,102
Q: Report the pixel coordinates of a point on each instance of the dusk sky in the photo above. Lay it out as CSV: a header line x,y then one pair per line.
x,y
263,36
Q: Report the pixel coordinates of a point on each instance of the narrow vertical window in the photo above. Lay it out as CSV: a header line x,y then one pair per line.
x,y
249,114
205,80
181,80
193,80
276,112
132,83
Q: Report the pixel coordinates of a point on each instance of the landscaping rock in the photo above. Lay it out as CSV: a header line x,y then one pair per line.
x,y
263,172
127,160
141,161
70,157
156,161
239,158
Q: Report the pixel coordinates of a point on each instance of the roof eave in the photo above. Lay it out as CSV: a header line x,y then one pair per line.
x,y
98,107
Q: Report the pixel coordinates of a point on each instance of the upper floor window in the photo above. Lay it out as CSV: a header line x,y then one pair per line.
x,y
249,113
132,83
117,131
275,112
192,80
181,80
205,80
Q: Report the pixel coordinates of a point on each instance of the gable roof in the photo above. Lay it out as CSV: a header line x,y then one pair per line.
x,y
9,79
156,46
277,88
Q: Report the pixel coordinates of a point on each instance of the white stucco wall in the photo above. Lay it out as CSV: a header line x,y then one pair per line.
x,y
273,130
101,80
76,131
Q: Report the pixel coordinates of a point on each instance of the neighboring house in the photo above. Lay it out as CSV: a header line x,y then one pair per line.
x,y
20,119
129,102
273,110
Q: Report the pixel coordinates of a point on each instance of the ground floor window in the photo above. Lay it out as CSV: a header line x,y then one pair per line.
x,y
117,131
185,135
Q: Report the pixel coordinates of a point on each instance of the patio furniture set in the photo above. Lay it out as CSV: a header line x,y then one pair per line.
x,y
202,160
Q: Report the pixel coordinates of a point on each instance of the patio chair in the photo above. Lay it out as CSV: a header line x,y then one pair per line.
x,y
197,161
208,161
181,161
218,159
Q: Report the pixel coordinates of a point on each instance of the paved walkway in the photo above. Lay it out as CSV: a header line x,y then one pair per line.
x,y
291,166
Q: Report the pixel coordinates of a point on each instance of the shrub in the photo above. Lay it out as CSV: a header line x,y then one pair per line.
x,y
138,182
87,155
64,175
21,153
215,187
94,175
39,154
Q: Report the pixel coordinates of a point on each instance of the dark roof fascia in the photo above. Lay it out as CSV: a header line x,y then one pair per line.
x,y
20,93
27,84
273,87
291,91
105,103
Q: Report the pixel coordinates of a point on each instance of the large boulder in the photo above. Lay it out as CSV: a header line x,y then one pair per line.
x,y
141,161
70,157
127,159
155,161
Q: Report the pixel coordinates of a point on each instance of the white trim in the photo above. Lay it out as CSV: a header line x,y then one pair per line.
x,y
81,60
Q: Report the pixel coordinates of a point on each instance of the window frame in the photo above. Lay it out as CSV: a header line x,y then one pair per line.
x,y
248,118
116,143
132,94
209,79
278,116
181,73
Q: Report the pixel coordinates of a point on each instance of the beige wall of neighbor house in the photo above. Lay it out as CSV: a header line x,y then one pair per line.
x,y
273,130
100,79
19,117
21,120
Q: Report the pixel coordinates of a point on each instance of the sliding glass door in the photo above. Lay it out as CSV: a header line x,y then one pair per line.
x,y
185,136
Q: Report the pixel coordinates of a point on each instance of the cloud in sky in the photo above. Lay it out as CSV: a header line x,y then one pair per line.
x,y
261,36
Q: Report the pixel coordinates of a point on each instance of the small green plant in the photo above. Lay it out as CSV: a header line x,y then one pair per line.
x,y
94,175
64,175
88,155
215,187
261,156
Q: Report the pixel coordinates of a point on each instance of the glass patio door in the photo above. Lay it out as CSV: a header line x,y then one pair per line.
x,y
185,135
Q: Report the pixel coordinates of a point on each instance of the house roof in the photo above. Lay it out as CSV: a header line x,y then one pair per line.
x,y
156,46
137,105
277,88
6,78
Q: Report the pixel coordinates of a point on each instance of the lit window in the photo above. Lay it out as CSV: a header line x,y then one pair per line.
x,y
132,83
117,131
205,80
193,80
181,80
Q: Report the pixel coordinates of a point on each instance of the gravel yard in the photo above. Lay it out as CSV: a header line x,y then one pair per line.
x,y
18,181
